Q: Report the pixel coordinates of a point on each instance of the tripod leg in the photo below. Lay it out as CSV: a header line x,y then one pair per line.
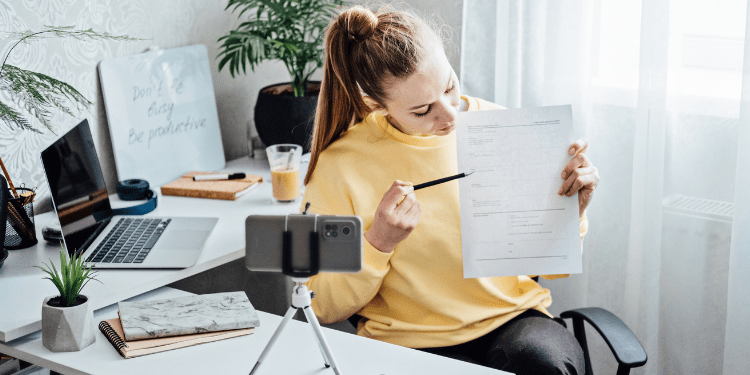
x,y
317,340
313,321
287,317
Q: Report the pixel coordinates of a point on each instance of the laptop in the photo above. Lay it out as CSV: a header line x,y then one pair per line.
x,y
89,227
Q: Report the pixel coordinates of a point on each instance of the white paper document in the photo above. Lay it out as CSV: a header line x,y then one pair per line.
x,y
512,220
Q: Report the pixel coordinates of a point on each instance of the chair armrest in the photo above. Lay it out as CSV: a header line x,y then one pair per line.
x,y
621,340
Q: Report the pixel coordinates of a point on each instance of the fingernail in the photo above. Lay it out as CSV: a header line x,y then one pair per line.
x,y
572,151
559,192
562,175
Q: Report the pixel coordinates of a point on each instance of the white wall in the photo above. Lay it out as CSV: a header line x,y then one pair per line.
x,y
166,23
443,14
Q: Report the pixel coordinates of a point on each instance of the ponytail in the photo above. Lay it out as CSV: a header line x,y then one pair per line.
x,y
363,49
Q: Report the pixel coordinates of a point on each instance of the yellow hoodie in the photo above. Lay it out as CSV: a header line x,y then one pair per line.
x,y
415,296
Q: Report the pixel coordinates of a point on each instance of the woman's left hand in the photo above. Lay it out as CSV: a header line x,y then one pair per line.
x,y
580,175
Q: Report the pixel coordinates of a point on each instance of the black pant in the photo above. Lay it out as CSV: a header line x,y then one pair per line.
x,y
531,343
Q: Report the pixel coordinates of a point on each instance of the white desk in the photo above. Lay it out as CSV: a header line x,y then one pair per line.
x,y
295,352
22,290
22,287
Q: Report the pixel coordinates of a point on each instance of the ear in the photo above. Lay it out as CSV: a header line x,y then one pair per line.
x,y
374,106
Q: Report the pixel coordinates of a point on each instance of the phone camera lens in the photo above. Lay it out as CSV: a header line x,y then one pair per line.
x,y
328,227
334,234
346,231
334,227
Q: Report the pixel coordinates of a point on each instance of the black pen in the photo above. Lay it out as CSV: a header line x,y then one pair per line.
x,y
440,181
219,176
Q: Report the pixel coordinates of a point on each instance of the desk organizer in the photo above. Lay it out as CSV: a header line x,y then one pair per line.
x,y
20,232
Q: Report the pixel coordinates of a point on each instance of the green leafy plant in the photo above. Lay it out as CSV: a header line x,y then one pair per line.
x,y
37,93
73,276
288,30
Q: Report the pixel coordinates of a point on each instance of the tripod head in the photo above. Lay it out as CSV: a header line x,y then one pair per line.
x,y
314,248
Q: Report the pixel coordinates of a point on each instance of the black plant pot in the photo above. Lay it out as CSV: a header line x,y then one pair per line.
x,y
280,117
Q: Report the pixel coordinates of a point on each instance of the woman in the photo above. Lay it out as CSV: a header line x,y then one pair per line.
x,y
386,113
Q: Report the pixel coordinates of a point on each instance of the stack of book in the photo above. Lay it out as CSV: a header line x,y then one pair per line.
x,y
153,326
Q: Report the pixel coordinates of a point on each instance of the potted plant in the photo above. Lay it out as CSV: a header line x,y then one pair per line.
x,y
68,319
291,31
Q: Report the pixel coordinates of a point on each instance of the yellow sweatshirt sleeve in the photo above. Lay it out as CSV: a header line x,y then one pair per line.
x,y
341,295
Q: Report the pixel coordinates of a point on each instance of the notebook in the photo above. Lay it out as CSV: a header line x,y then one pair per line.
x,y
215,189
186,315
112,330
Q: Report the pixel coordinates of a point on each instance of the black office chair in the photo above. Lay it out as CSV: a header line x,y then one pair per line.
x,y
622,342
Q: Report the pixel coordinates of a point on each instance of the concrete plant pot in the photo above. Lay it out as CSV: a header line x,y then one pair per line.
x,y
67,329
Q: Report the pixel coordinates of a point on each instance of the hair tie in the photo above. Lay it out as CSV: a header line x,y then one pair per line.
x,y
359,23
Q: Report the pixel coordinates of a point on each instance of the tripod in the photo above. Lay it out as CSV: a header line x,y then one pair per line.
x,y
301,299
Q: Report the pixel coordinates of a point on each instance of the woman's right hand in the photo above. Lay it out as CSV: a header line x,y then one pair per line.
x,y
396,217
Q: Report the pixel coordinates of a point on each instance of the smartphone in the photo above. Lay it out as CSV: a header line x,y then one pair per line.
x,y
339,240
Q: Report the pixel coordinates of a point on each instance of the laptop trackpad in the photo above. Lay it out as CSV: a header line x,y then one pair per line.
x,y
182,239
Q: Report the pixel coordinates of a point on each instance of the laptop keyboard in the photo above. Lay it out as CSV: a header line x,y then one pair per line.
x,y
129,241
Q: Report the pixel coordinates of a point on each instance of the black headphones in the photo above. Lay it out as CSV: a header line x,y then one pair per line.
x,y
135,189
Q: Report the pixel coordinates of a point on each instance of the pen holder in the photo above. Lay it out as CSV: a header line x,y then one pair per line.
x,y
20,232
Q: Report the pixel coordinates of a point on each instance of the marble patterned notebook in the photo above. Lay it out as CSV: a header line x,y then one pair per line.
x,y
187,315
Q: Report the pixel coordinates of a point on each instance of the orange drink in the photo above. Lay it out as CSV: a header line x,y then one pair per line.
x,y
285,183
284,161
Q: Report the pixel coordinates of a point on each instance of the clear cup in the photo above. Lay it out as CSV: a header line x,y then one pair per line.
x,y
284,160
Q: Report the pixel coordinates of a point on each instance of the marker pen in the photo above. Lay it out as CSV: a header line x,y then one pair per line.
x,y
219,176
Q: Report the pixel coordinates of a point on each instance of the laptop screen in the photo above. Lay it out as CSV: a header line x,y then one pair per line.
x,y
76,183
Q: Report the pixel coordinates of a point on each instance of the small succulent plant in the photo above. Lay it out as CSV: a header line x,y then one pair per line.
x,y
73,276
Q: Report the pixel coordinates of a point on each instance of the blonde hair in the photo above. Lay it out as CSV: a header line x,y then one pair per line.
x,y
363,49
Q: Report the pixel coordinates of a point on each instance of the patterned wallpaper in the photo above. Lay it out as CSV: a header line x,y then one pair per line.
x,y
166,23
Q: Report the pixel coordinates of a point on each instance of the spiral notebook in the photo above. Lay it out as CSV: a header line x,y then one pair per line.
x,y
112,330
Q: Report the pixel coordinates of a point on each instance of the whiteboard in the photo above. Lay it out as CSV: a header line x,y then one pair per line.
x,y
162,114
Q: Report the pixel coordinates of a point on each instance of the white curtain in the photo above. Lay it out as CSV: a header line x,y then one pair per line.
x,y
662,91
